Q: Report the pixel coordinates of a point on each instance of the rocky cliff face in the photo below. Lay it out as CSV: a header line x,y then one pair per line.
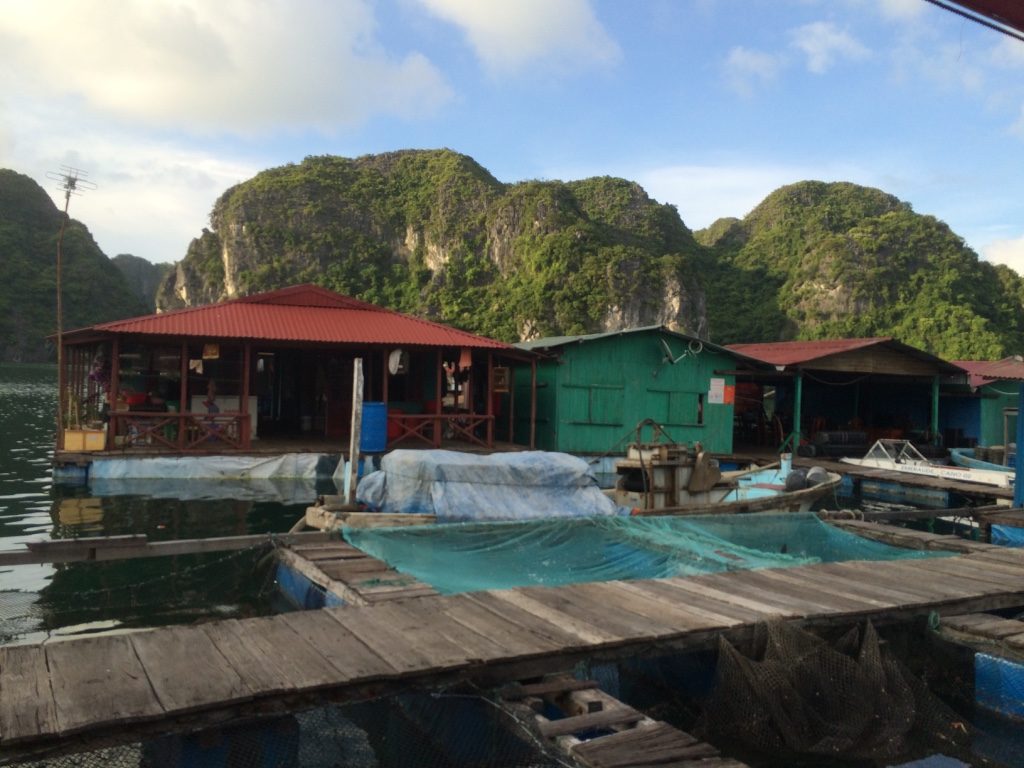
x,y
433,233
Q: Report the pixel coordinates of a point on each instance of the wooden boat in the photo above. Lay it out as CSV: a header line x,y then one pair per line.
x,y
967,457
902,456
666,479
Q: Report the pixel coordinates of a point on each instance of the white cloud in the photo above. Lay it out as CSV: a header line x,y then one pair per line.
x,y
823,44
229,66
705,193
509,36
746,69
901,10
1009,252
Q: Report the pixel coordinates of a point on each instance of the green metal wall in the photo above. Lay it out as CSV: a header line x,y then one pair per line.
x,y
991,426
592,398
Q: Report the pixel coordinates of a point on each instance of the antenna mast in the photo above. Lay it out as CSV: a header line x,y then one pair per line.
x,y
73,181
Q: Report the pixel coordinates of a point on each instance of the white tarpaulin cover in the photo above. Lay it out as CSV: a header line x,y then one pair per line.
x,y
287,479
212,467
503,486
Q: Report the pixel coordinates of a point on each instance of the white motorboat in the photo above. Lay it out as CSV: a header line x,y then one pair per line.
x,y
903,456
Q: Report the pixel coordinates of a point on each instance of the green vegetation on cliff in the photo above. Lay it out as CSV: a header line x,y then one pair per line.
x,y
817,260
94,289
433,233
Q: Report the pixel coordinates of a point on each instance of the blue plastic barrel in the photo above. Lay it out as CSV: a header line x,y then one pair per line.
x,y
374,437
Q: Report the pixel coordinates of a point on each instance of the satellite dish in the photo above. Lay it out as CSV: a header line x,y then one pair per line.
x,y
398,361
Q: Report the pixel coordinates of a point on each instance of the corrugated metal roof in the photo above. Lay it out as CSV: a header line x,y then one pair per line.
x,y
304,313
974,368
554,342
799,352
783,354
1007,369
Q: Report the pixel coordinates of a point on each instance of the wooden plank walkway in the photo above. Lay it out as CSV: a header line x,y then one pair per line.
x,y
106,685
630,738
349,573
985,631
970,490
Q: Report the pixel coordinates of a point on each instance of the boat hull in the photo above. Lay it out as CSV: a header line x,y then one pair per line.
x,y
964,457
780,501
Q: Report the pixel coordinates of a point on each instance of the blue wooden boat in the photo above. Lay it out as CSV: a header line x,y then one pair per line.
x,y
964,457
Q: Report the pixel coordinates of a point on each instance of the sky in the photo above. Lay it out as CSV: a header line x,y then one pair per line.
x,y
709,104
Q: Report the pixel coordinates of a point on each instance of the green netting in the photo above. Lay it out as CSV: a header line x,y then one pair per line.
x,y
465,557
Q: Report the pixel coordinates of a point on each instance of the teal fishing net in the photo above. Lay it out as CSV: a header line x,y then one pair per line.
x,y
466,557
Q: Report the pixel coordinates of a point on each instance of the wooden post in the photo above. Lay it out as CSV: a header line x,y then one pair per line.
x,y
490,399
355,431
438,422
183,405
798,404
386,376
512,404
935,410
244,399
115,380
533,404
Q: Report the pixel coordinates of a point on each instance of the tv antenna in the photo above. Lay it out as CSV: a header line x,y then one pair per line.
x,y
73,181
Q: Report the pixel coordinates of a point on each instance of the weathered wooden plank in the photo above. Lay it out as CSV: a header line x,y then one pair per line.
x,y
270,656
353,659
483,615
27,708
421,620
603,608
405,645
639,600
526,600
710,610
579,723
786,595
882,585
517,691
186,670
812,591
972,576
697,587
832,585
99,679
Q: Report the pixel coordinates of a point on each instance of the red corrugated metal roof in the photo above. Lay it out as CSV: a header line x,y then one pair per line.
x,y
303,313
801,352
974,370
1007,369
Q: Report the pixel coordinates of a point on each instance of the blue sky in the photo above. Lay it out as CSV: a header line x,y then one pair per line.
x,y
709,104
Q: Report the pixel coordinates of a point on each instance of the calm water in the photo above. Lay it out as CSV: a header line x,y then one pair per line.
x,y
41,600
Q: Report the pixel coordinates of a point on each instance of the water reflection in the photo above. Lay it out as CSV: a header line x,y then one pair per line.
x,y
40,600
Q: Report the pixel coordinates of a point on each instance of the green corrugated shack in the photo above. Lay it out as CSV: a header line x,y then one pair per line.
x,y
593,390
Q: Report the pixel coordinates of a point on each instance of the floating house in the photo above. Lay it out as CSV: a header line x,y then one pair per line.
x,y
985,412
835,397
593,390
273,373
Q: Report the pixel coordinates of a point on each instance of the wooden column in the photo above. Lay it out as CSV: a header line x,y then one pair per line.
x,y
244,400
385,373
512,404
352,476
533,404
490,399
935,411
183,405
438,428
115,381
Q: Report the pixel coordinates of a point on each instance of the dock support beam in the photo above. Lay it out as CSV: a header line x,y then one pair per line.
x,y
935,411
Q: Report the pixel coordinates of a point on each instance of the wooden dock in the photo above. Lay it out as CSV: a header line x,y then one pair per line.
x,y
969,490
120,687
986,632
349,573
625,737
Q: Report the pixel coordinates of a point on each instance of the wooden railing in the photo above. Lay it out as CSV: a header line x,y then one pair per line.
x,y
177,432
431,428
